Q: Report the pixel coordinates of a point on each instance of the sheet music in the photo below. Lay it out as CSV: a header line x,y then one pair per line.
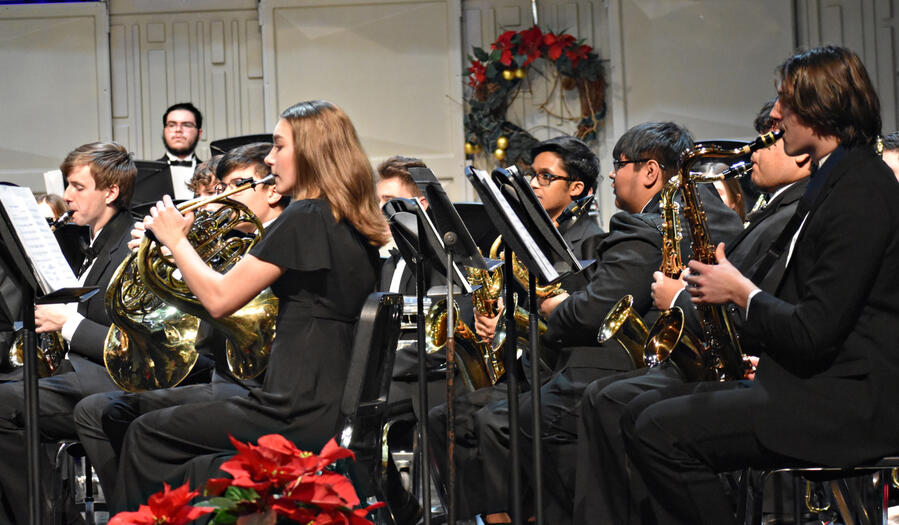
x,y
546,267
47,261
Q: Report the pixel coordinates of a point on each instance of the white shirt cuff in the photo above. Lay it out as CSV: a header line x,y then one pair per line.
x,y
749,300
674,299
69,327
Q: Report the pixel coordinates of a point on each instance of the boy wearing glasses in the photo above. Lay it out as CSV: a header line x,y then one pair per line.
x,y
182,126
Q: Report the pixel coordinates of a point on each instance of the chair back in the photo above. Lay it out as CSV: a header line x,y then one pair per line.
x,y
364,403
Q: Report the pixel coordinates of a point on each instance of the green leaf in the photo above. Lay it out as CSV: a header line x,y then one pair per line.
x,y
480,54
241,494
495,54
491,71
219,503
223,517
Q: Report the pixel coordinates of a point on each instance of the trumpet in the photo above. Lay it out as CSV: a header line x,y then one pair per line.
x,y
155,316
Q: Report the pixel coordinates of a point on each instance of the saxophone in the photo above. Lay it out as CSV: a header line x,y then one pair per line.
x,y
724,359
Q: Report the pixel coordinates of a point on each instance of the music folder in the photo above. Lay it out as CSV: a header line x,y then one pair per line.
x,y
34,249
403,216
525,226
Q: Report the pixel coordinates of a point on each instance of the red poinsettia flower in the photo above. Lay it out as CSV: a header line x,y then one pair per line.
x,y
531,40
328,490
477,73
576,54
505,44
557,44
168,507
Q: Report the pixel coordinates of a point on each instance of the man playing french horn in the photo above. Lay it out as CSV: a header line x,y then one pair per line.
x,y
103,419
602,488
100,179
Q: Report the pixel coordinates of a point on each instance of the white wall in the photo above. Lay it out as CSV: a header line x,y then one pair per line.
x,y
55,86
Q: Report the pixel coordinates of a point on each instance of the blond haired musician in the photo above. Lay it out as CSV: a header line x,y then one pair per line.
x,y
826,382
100,182
102,419
604,491
320,258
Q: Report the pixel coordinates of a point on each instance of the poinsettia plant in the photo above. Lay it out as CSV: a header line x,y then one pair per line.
x,y
271,482
495,79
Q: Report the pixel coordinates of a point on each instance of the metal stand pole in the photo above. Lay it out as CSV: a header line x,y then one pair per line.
x,y
32,431
535,400
424,452
449,240
510,363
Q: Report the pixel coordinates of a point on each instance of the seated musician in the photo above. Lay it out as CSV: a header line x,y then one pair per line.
x,y
320,258
825,386
204,179
603,491
891,152
102,419
100,180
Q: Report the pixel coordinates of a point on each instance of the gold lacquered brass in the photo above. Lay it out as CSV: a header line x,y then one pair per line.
x,y
624,325
471,351
668,334
153,347
51,350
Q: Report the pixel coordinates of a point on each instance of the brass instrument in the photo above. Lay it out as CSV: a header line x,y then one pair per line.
x,y
724,357
623,323
51,347
155,316
668,339
476,356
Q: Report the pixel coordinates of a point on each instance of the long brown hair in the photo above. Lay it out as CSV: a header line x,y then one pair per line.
x,y
331,164
829,90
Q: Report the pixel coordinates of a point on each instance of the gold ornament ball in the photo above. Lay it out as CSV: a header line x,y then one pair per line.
x,y
508,74
519,73
477,149
502,143
469,148
500,154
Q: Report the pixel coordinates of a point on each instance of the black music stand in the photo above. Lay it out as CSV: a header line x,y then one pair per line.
x,y
433,248
14,254
154,179
528,232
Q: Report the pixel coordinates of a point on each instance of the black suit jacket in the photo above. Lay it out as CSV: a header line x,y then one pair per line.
x,y
830,361
626,258
86,346
750,246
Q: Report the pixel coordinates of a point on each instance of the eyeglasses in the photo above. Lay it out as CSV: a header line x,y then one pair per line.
x,y
183,125
544,179
222,187
618,164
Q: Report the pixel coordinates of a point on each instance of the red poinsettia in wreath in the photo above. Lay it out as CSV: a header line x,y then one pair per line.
x,y
495,79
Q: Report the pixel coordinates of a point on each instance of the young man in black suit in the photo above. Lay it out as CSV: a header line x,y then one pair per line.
x,y
182,127
825,389
100,180
604,490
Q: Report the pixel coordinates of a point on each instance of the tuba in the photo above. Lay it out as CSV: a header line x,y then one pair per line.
x,y
155,316
722,356
51,347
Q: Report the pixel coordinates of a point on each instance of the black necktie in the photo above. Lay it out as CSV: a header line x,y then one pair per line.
x,y
185,163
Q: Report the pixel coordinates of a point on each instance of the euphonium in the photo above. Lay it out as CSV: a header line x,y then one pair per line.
x,y
724,358
474,354
155,316
51,347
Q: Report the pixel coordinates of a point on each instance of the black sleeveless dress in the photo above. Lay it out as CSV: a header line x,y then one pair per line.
x,y
330,270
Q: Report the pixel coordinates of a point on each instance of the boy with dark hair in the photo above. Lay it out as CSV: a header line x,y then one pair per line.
x,y
826,380
182,127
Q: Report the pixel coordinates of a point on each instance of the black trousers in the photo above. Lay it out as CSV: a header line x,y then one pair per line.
x,y
605,490
680,438
57,397
102,419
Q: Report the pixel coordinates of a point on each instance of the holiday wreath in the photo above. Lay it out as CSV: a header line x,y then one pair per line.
x,y
496,79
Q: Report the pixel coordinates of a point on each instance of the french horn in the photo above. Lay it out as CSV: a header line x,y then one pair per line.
x,y
155,316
